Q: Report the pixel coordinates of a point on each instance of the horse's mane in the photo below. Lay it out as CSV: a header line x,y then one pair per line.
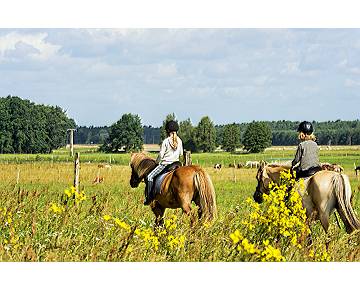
x,y
142,163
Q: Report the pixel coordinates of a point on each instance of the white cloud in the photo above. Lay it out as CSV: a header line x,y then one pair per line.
x,y
42,50
167,70
203,67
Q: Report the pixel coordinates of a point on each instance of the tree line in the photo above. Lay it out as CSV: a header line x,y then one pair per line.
x,y
26,127
29,128
283,133
253,137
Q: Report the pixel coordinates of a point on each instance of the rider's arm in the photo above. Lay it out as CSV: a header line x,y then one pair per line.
x,y
297,156
162,152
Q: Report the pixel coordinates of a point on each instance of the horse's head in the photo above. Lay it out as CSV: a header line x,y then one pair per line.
x,y
263,180
140,166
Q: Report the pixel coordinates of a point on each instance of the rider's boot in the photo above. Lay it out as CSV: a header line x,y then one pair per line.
x,y
148,193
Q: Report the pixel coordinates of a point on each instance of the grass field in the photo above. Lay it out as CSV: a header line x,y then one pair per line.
x,y
111,224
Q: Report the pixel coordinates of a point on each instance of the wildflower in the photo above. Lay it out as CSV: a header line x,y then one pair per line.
x,y
56,208
236,237
122,224
68,193
106,217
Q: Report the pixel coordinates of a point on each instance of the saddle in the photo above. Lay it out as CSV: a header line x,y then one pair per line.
x,y
158,179
307,173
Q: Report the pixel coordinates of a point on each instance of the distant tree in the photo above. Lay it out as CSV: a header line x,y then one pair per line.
x,y
151,135
219,134
231,137
29,128
205,135
257,137
163,134
187,135
126,133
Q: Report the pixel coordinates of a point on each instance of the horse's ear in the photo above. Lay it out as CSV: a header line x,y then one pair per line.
x,y
262,164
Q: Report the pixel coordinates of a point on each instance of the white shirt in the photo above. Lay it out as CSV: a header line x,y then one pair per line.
x,y
167,154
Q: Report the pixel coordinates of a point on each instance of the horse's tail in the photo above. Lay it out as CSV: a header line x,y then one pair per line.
x,y
342,190
205,188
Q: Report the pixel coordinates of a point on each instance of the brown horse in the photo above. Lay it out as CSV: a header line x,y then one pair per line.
x,y
324,192
179,188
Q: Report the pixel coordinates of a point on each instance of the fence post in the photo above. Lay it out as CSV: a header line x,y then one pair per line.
x,y
71,142
18,176
77,171
188,161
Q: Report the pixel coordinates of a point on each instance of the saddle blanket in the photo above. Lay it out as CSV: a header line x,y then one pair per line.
x,y
158,181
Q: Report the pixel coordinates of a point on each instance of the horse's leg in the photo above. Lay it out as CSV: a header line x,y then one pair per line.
x,y
324,219
311,215
197,202
159,211
185,205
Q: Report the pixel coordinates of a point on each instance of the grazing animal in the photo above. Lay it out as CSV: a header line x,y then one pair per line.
x,y
231,165
252,164
217,166
325,192
240,165
179,188
98,179
356,168
107,166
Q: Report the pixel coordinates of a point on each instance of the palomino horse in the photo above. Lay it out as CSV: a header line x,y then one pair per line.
x,y
324,192
179,188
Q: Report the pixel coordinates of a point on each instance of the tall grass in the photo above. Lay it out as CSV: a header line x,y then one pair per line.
x,y
112,224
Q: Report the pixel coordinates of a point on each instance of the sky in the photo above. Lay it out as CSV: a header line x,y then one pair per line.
x,y
230,75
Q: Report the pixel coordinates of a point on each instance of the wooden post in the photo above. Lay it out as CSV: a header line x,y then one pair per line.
x,y
18,176
71,142
77,171
188,158
234,171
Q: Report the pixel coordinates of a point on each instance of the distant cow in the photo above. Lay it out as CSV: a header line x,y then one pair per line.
x,y
240,165
217,166
102,165
232,165
252,164
98,179
356,168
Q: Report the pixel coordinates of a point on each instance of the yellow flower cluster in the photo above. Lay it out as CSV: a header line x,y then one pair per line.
x,y
121,224
55,208
322,256
281,218
176,242
149,238
170,223
268,253
72,193
164,237
8,236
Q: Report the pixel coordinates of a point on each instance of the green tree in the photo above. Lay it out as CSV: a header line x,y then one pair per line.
x,y
205,135
187,135
126,133
29,128
163,134
257,137
231,137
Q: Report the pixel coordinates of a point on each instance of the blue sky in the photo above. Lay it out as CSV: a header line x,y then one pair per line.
x,y
231,75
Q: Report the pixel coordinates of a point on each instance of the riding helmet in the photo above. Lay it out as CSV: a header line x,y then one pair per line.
x,y
171,126
305,127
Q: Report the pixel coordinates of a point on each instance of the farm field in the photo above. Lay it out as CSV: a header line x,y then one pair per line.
x,y
42,219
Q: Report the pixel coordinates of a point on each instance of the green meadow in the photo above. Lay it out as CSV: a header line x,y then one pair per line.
x,y
41,219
